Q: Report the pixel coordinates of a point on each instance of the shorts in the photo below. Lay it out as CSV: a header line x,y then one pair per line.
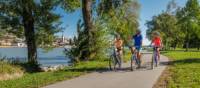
x,y
119,49
138,48
155,47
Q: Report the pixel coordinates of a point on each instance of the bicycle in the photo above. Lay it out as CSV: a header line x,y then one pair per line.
x,y
115,58
154,60
135,61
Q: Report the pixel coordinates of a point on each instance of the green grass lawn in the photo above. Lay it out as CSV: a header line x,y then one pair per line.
x,y
39,79
185,69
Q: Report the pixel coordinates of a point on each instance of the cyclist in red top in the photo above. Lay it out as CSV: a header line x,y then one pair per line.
x,y
157,43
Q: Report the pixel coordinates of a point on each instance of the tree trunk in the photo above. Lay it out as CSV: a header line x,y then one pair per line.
x,y
87,17
187,40
29,32
187,46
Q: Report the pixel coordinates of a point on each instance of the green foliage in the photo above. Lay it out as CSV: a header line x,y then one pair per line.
x,y
69,5
121,17
189,17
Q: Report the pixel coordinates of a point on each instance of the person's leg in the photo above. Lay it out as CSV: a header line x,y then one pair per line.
x,y
132,50
138,53
119,57
158,52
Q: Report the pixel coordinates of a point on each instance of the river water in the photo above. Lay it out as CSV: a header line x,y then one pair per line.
x,y
53,57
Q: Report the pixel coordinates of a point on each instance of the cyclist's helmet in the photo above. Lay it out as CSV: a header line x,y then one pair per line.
x,y
138,31
156,33
118,36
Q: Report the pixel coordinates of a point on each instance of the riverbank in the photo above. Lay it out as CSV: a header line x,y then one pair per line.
x,y
26,47
10,71
183,71
39,79
11,47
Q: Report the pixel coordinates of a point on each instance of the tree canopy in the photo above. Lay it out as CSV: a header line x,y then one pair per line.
x,y
178,26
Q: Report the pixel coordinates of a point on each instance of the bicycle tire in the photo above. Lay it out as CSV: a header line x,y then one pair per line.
x,y
156,59
112,63
132,63
152,62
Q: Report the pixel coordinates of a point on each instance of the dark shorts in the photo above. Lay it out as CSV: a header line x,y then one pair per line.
x,y
119,49
138,48
155,48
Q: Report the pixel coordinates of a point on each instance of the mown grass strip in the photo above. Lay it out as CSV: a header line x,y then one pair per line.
x,y
184,69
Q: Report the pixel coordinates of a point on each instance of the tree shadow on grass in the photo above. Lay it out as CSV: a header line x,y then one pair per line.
x,y
164,52
186,61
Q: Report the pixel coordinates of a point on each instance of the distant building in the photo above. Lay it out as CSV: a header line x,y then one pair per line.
x,y
61,41
11,40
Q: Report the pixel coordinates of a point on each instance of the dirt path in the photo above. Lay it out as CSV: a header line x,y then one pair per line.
x,y
140,78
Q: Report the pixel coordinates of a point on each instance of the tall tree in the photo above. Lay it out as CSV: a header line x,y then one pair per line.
x,y
35,17
101,20
166,24
189,20
88,24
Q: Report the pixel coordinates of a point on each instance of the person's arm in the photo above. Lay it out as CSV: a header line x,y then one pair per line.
x,y
151,42
121,43
141,42
161,43
129,38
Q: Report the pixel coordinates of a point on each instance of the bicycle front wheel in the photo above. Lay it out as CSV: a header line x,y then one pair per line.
x,y
112,63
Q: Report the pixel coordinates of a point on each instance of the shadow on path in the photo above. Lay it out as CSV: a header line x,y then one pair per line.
x,y
144,67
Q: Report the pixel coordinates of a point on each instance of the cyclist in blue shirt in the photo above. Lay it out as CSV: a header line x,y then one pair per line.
x,y
137,39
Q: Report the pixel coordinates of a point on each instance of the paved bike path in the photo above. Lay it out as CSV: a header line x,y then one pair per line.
x,y
140,78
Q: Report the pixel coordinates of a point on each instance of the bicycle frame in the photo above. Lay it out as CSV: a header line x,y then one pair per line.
x,y
115,59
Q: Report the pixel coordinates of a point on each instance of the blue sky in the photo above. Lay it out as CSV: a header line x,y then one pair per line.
x,y
148,9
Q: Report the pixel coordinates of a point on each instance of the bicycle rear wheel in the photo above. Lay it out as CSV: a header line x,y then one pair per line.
x,y
152,62
133,63
156,59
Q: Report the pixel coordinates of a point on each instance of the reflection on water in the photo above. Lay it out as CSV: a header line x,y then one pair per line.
x,y
51,58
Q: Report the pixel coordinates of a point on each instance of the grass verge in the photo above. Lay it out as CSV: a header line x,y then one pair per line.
x,y
183,72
